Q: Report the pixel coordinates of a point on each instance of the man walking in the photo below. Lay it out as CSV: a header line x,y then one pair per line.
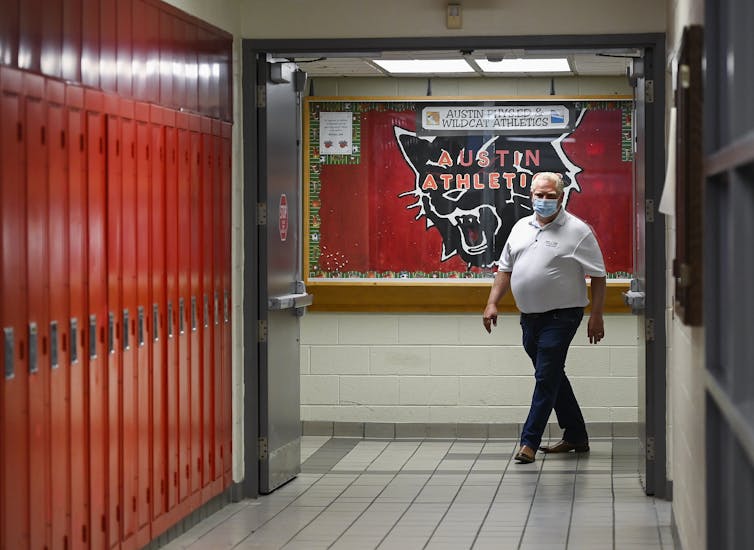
x,y
544,263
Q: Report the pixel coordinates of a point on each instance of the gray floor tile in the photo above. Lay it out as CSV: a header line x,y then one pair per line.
x,y
445,493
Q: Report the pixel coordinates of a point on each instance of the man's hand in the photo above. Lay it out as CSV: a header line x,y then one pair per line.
x,y
595,328
489,317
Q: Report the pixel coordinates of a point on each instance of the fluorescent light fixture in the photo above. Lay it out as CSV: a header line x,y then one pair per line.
x,y
424,66
552,65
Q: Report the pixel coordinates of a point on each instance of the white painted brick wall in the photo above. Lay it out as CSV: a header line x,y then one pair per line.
x,y
445,368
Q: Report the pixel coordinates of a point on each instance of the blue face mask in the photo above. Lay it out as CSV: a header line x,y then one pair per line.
x,y
545,207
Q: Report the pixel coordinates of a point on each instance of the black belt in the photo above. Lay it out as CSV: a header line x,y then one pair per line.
x,y
552,311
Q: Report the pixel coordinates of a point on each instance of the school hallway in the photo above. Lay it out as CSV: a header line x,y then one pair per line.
x,y
449,494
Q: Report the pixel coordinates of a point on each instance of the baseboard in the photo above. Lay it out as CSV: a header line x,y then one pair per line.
x,y
405,430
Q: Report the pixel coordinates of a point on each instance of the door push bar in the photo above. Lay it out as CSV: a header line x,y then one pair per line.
x,y
297,301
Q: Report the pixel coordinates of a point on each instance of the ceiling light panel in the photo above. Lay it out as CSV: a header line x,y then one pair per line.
x,y
553,65
424,66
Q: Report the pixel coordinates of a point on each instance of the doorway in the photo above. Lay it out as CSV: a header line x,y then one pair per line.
x,y
652,234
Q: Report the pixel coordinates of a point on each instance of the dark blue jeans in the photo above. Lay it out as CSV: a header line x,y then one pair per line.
x,y
546,337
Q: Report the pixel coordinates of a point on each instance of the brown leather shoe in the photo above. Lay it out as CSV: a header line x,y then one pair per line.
x,y
564,446
525,455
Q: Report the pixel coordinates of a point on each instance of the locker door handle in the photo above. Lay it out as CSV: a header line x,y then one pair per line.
x,y
181,313
54,344
193,314
10,370
225,306
74,341
126,342
206,311
140,325
111,332
92,336
33,351
155,322
217,309
170,319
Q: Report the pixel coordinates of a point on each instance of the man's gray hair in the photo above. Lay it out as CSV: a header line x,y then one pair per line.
x,y
554,177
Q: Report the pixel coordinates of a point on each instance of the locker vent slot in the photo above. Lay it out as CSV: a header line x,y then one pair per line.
x,y
155,322
33,351
126,342
54,344
74,341
10,370
193,314
181,314
140,325
206,311
170,319
92,336
111,332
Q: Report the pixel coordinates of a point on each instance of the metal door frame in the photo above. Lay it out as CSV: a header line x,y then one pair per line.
x,y
654,46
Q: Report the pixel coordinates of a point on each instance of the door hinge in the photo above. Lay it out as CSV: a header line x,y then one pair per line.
x,y
649,210
649,326
649,91
262,448
261,96
651,448
261,213
262,333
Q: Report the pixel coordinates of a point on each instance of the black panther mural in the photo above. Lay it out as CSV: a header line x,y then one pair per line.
x,y
472,189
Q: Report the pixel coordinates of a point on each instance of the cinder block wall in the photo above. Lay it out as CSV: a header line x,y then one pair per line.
x,y
444,368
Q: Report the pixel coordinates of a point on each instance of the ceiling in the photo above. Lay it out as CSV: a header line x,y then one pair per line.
x,y
582,62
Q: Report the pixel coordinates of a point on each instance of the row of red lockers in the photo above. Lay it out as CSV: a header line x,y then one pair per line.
x,y
115,309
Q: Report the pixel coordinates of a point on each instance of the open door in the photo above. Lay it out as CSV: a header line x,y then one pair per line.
x,y
282,296
646,296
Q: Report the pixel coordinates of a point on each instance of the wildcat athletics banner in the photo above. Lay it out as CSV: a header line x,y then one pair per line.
x,y
430,190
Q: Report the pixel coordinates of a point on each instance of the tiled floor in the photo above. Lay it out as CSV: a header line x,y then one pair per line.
x,y
446,494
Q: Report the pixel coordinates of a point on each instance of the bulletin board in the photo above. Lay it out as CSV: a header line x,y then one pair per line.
x,y
419,196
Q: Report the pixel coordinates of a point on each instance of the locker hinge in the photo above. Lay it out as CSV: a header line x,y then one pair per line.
x,y
649,326
649,210
261,96
649,91
650,448
261,213
262,333
262,448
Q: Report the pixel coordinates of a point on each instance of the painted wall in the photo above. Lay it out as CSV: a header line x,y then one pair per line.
x,y
686,413
338,19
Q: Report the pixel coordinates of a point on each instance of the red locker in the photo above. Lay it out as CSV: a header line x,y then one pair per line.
x,y
37,249
172,366
114,316
52,37
195,281
208,428
108,68
77,239
227,303
14,419
123,47
90,32
97,319
158,309
71,43
218,255
30,35
168,63
129,314
142,341
59,326
184,293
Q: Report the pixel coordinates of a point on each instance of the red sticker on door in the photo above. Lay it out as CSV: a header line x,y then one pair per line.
x,y
283,217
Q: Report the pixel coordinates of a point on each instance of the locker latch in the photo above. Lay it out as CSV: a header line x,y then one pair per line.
x,y
206,311
92,336
74,341
170,319
54,345
140,327
126,342
10,370
193,314
33,351
155,322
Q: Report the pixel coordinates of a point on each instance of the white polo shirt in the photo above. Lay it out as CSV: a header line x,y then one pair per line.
x,y
548,264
